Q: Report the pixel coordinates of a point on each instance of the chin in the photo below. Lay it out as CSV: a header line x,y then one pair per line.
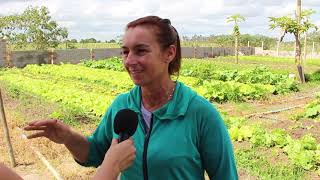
x,y
137,82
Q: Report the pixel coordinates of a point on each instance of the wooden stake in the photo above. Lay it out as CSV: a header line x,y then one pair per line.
x,y
8,55
6,131
51,56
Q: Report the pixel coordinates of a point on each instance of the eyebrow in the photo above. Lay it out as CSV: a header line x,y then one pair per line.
x,y
136,46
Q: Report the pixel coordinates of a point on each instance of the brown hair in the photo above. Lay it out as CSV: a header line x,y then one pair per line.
x,y
166,35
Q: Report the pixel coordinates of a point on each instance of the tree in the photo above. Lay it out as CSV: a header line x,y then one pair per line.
x,y
296,26
34,26
236,18
8,25
73,41
89,40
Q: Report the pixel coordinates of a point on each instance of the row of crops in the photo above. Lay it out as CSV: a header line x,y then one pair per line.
x,y
88,89
303,152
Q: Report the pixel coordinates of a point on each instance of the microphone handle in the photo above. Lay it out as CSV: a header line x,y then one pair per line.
x,y
123,137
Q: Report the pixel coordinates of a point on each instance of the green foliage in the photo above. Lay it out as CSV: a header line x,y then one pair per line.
x,y
221,85
89,40
290,25
33,26
236,18
253,78
114,63
227,41
8,26
313,109
303,152
313,76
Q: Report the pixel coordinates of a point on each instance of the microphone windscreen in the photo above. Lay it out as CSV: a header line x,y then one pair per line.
x,y
126,122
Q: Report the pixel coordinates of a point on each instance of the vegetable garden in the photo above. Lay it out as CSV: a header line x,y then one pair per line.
x,y
273,120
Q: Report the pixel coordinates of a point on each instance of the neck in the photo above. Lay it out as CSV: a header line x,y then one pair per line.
x,y
153,97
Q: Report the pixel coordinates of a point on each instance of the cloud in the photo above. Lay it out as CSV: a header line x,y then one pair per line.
x,y
106,19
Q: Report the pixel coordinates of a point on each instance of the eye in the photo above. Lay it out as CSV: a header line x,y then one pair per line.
x,y
141,52
124,53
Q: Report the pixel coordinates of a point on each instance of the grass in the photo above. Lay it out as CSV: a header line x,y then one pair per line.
x,y
256,162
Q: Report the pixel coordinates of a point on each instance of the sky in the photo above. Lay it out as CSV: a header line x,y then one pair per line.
x,y
106,19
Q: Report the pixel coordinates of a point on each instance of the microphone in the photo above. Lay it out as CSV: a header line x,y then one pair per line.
x,y
125,124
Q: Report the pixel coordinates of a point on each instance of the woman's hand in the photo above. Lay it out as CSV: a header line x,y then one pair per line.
x,y
54,130
118,158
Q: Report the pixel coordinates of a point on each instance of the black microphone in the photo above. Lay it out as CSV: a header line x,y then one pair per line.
x,y
125,124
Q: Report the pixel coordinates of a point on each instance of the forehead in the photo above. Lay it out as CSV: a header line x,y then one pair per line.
x,y
139,35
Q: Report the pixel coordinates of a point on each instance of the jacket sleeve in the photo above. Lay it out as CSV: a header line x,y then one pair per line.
x,y
100,141
215,147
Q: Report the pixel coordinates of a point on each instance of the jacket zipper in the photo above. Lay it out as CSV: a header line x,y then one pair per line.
x,y
145,151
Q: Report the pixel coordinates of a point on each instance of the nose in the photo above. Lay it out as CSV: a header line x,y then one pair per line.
x,y
130,59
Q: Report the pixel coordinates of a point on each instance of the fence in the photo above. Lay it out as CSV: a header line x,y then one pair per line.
x,y
259,51
74,56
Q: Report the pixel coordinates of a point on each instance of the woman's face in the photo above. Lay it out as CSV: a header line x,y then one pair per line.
x,y
142,56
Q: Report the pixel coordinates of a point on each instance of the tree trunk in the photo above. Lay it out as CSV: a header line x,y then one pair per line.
x,y
236,49
298,45
298,59
298,49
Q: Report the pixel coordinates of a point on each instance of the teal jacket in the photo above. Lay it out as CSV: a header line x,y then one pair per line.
x,y
187,136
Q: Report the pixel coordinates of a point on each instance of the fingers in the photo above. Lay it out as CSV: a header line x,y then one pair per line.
x,y
40,124
127,142
127,162
31,128
36,135
43,122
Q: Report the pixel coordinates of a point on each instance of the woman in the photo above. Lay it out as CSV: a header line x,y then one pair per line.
x,y
179,134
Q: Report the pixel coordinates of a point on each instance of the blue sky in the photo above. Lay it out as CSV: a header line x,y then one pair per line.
x,y
106,19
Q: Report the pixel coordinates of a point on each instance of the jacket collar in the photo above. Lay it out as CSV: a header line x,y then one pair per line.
x,y
174,108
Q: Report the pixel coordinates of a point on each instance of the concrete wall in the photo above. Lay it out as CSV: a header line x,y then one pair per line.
x,y
187,52
2,53
106,53
205,52
22,58
74,56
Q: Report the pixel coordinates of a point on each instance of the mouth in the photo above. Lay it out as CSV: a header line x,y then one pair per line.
x,y
134,72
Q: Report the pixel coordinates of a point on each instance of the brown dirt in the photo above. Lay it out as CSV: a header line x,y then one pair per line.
x,y
29,166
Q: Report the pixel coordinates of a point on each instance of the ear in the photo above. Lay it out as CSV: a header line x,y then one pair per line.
x,y
170,53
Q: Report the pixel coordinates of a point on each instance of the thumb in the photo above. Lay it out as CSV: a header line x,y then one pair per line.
x,y
114,142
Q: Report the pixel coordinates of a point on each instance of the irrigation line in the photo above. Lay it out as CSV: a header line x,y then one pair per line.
x,y
43,159
266,117
274,111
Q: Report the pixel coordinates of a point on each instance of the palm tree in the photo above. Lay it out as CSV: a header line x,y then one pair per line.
x,y
236,18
